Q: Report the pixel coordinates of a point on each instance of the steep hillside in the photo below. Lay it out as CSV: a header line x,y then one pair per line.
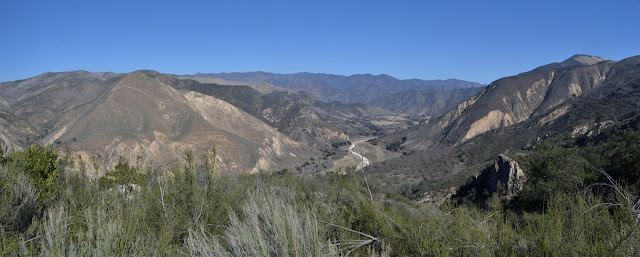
x,y
4,102
277,110
140,117
51,99
349,89
15,131
48,100
54,83
425,102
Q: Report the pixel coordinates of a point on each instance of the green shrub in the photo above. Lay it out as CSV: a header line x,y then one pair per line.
x,y
122,174
194,210
554,170
40,163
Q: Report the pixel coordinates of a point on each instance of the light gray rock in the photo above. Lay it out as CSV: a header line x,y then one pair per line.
x,y
507,172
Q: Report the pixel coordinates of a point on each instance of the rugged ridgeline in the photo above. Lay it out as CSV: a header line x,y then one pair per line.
x,y
510,101
296,114
513,114
362,88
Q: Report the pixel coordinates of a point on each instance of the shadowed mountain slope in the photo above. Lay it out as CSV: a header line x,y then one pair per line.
x,y
262,87
296,114
15,131
425,102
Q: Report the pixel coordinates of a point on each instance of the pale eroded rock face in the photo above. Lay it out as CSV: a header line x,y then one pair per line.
x,y
507,172
553,115
495,119
591,129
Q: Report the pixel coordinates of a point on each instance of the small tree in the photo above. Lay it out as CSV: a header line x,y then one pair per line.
x,y
122,173
2,160
210,159
40,162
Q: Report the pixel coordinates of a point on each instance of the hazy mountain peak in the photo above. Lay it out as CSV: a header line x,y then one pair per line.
x,y
582,60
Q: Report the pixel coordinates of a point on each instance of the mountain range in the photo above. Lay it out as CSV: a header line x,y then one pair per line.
x,y
361,88
411,130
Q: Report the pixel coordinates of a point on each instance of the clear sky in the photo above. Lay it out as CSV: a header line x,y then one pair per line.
x,y
472,40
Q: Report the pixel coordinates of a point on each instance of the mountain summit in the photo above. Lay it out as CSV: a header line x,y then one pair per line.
x,y
582,60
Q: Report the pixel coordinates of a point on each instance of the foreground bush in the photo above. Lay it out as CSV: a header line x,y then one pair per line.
x,y
272,225
194,210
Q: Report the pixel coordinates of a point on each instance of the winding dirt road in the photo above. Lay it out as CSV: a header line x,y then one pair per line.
x,y
364,162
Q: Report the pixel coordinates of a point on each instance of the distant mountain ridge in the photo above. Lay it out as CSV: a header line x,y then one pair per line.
x,y
361,88
425,102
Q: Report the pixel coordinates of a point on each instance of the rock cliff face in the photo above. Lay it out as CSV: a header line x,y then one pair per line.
x,y
507,172
512,100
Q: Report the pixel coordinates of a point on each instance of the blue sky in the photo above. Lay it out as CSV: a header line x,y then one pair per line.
x,y
472,40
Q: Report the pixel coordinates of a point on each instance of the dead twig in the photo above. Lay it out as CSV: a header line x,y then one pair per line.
x,y
353,244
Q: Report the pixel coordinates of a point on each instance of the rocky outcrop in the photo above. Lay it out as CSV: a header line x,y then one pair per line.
x,y
507,172
591,129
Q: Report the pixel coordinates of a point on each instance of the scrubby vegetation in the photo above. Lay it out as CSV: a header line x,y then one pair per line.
x,y
570,207
395,146
340,144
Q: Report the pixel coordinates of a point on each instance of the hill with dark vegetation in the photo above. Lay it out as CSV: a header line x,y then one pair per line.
x,y
425,102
